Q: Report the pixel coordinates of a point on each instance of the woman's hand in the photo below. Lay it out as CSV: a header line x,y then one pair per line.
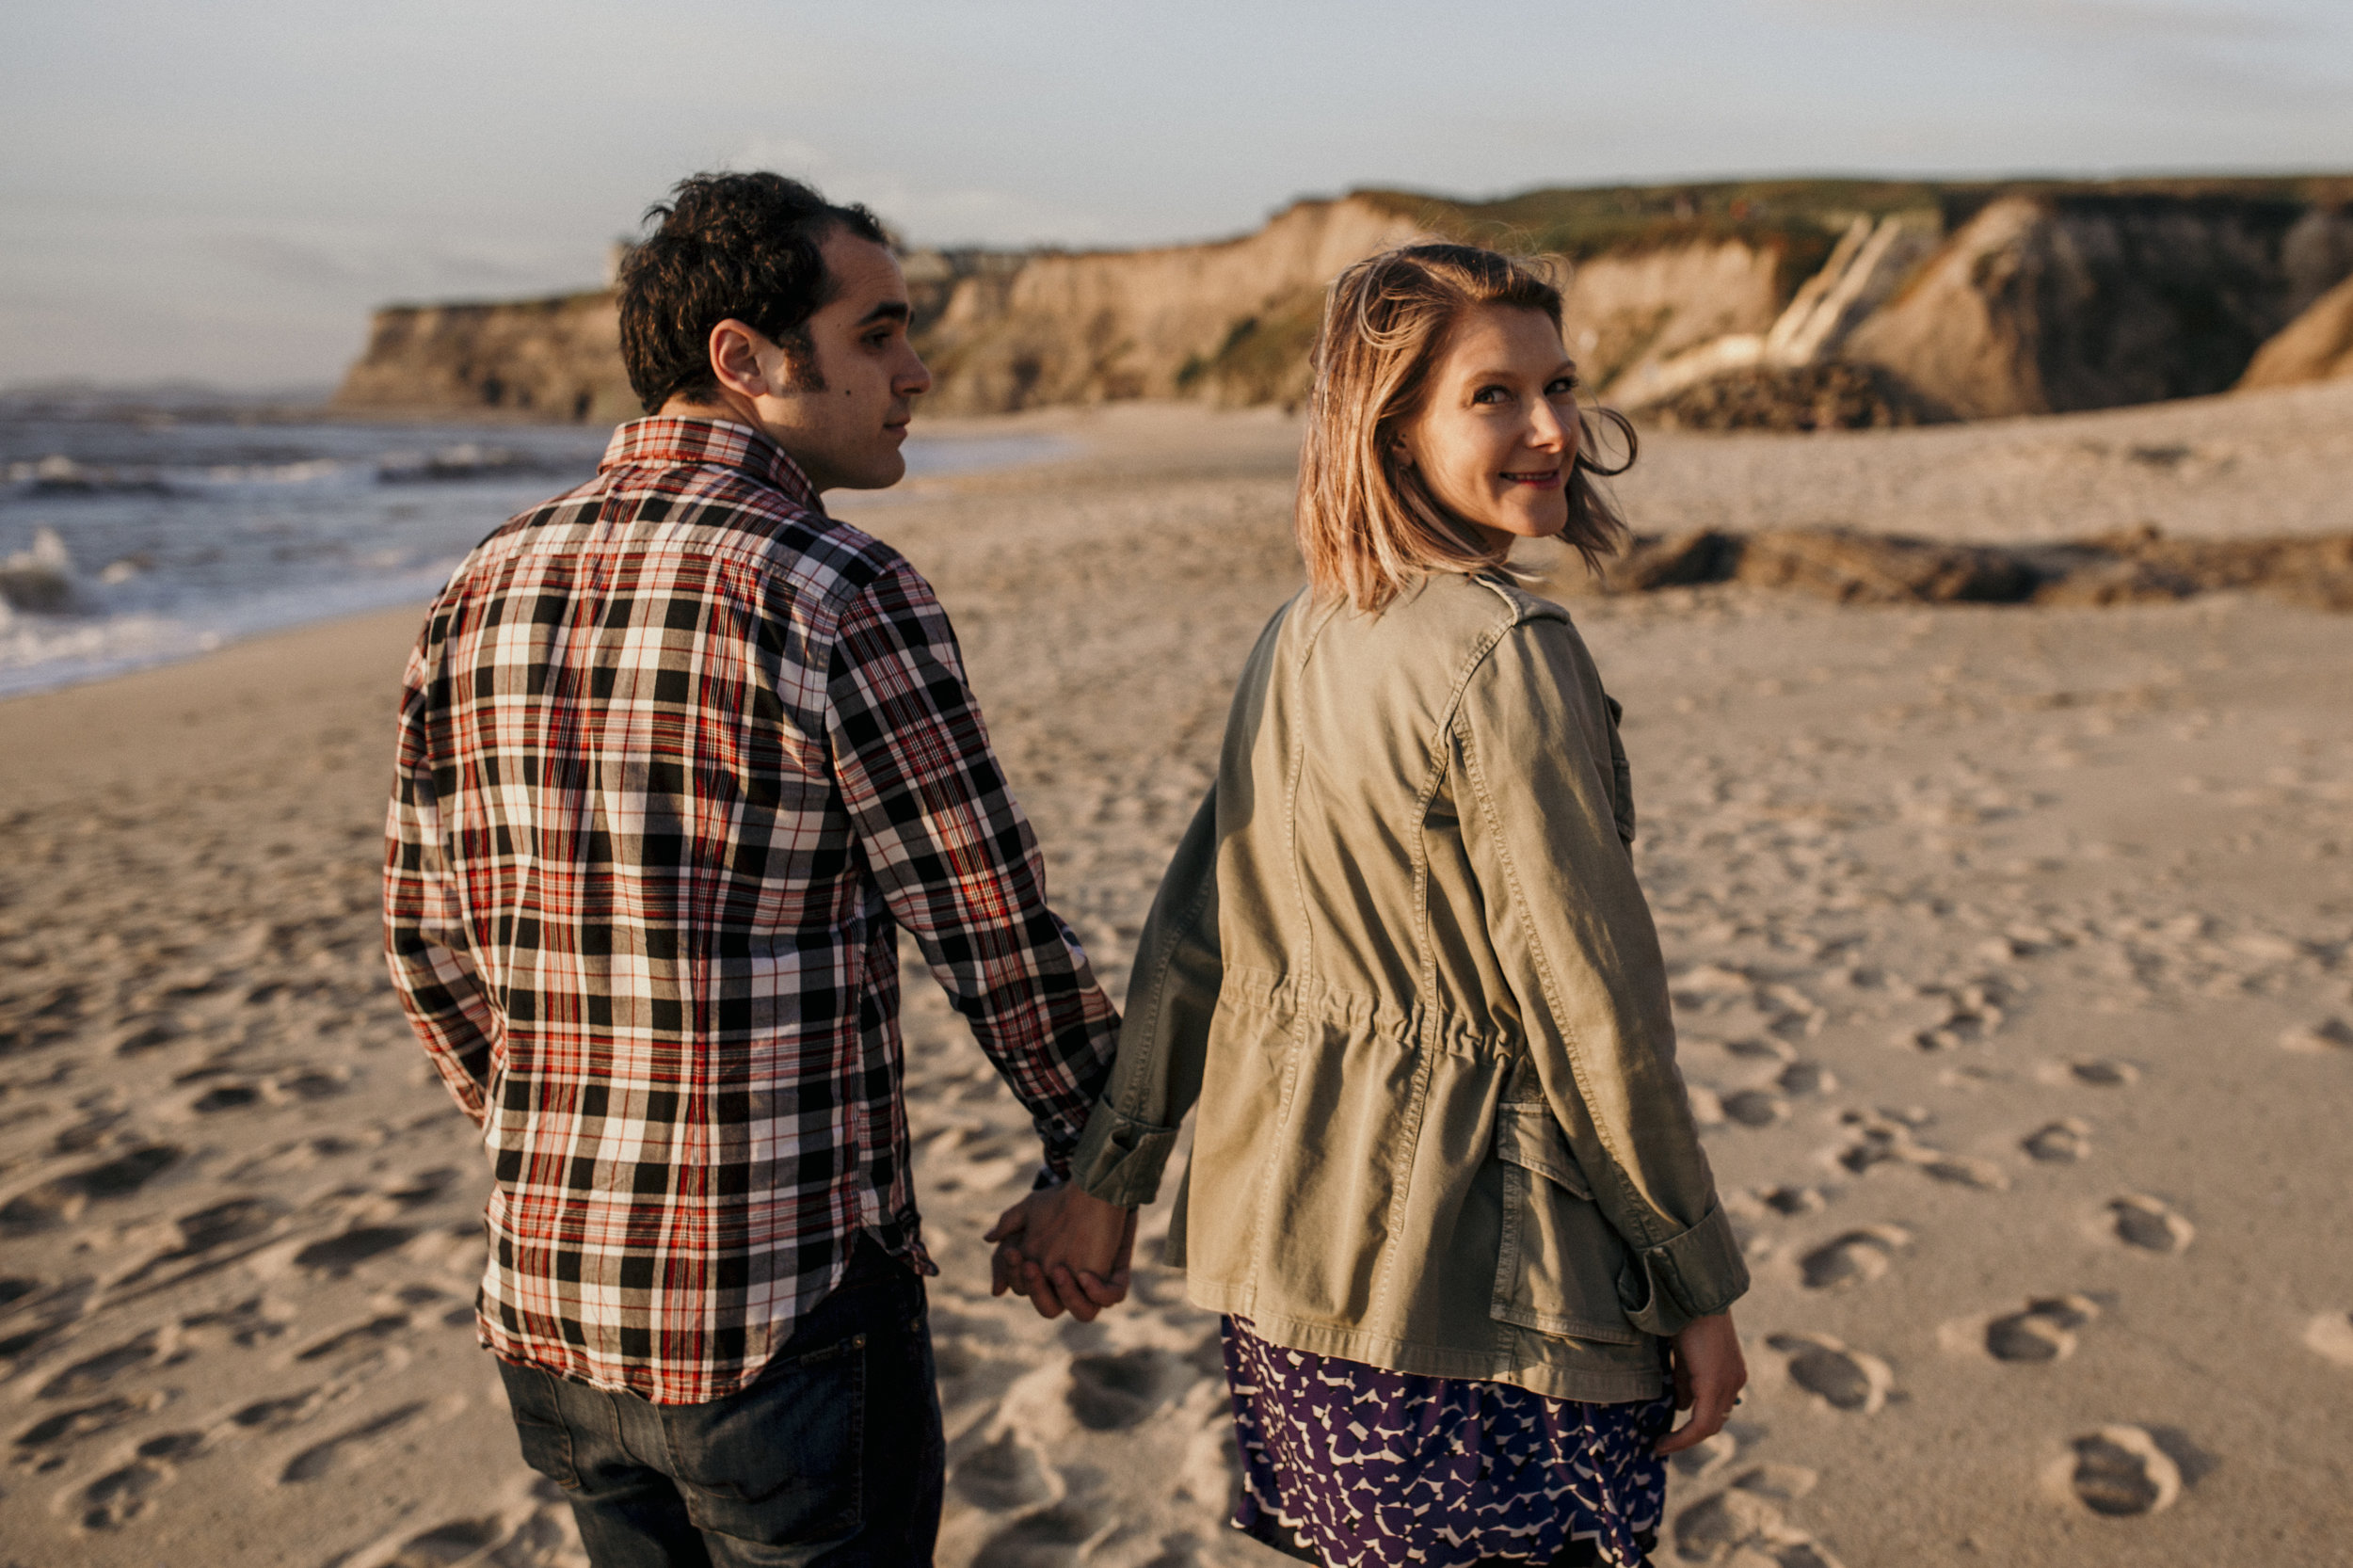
x,y
1065,1250
1710,1374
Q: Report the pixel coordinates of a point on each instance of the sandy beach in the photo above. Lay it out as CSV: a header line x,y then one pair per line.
x,y
2013,959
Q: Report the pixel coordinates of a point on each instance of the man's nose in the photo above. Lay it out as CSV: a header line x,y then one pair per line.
x,y
913,378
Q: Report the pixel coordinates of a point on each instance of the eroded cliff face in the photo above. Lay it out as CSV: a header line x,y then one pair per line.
x,y
557,358
2042,304
1968,300
1624,310
2316,346
1175,321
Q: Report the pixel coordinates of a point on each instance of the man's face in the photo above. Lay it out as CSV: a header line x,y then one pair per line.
x,y
844,425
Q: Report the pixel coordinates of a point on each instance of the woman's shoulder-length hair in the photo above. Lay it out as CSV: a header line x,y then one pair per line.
x,y
1368,528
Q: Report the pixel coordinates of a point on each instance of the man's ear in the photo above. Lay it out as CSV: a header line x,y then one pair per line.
x,y
735,358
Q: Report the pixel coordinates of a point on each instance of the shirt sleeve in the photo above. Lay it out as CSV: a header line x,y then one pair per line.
x,y
424,931
954,858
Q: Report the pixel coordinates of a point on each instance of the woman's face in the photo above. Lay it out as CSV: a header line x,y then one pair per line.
x,y
1496,439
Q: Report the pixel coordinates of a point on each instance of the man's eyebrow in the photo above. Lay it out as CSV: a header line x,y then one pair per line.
x,y
890,309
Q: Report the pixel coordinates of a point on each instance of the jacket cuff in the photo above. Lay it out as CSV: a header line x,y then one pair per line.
x,y
1695,1274
1120,1158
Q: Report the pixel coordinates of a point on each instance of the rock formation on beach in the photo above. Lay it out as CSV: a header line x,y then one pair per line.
x,y
1781,304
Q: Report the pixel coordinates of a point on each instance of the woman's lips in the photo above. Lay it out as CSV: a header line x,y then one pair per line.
x,y
1543,480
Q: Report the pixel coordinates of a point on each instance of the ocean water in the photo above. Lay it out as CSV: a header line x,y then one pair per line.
x,y
128,541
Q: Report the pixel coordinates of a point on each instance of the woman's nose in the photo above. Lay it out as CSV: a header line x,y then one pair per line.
x,y
1546,431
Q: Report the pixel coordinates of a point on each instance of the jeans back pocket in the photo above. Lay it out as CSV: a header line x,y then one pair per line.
x,y
780,1462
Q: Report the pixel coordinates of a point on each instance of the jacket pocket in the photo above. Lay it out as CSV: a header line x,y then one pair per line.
x,y
1556,1271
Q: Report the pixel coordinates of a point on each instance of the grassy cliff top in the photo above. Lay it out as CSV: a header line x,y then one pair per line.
x,y
1580,221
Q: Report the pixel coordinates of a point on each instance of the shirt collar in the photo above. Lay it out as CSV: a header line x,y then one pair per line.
x,y
670,438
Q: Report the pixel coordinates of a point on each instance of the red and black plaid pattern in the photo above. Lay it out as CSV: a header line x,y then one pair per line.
x,y
679,756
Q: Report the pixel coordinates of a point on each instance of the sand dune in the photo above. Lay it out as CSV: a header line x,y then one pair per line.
x,y
2010,948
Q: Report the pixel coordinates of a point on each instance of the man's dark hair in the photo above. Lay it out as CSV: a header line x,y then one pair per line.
x,y
730,245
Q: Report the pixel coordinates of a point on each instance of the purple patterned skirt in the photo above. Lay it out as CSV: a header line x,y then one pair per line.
x,y
1354,1467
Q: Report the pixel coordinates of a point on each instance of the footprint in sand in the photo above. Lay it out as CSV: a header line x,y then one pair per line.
x,y
226,1096
1854,1258
369,1336
95,1373
1110,1392
1004,1475
2120,1471
1843,1378
117,1497
57,1202
1961,1169
2106,1074
1743,1526
279,1412
535,1531
207,1231
1755,1107
245,1324
2149,1224
42,1444
2043,1331
1705,1457
1788,1200
2324,1038
2329,1336
423,1187
316,1460
218,1225
2062,1142
1806,1078
1051,1538
341,1254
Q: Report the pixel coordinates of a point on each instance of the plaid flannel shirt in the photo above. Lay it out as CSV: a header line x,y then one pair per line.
x,y
679,757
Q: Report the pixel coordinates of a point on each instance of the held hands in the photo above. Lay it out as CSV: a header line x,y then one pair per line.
x,y
1065,1251
1710,1374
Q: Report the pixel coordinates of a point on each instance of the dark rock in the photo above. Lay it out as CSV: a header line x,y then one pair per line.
x,y
1881,569
1834,397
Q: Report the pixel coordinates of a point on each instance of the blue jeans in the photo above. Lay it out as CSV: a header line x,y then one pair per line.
x,y
833,1458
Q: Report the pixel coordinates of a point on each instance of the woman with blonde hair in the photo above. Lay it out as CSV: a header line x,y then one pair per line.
x,y
1445,1186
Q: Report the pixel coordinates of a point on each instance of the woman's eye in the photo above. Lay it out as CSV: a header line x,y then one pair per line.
x,y
1564,386
1490,394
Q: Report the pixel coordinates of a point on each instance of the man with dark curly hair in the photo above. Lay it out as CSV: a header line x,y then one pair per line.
x,y
679,757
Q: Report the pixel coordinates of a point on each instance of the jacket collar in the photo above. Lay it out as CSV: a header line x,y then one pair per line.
x,y
719,443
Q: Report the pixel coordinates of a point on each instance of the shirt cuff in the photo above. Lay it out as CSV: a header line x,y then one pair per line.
x,y
1696,1274
1120,1158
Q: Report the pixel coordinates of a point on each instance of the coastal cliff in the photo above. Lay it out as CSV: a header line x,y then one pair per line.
x,y
557,358
1910,299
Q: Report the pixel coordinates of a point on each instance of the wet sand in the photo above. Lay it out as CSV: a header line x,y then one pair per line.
x,y
2010,952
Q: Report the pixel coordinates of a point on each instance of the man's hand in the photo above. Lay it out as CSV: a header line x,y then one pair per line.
x,y
1065,1251
1710,1374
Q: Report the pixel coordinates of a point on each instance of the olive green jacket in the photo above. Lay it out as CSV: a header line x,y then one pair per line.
x,y
1402,964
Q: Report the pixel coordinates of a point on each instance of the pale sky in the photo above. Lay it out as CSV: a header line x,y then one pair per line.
x,y
222,190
